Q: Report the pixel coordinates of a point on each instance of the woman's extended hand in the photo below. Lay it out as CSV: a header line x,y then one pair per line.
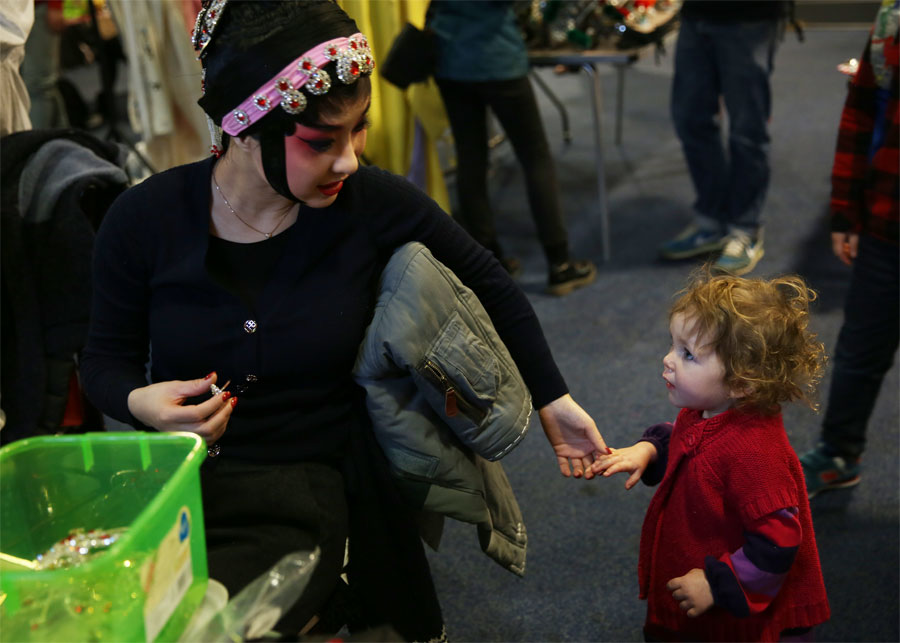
x,y
162,406
633,460
573,436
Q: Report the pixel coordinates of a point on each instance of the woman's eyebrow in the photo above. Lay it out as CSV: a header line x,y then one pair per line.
x,y
325,127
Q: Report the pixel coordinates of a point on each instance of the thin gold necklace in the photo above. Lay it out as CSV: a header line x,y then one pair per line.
x,y
267,235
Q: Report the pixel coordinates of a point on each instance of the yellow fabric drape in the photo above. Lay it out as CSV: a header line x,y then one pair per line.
x,y
393,111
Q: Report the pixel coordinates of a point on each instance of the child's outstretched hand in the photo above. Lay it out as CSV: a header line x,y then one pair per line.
x,y
692,592
633,460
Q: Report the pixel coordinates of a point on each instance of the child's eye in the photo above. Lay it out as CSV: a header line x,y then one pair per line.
x,y
688,355
363,124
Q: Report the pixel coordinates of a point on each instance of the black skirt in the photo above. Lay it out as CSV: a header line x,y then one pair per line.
x,y
255,513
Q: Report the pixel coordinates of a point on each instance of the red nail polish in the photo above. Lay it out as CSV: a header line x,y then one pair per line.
x,y
233,402
226,395
210,375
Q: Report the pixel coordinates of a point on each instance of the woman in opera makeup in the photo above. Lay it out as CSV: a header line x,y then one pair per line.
x,y
247,281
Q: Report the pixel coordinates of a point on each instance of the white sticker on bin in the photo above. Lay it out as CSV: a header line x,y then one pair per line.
x,y
167,576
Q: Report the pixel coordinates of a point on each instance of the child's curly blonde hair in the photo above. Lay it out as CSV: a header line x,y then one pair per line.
x,y
758,328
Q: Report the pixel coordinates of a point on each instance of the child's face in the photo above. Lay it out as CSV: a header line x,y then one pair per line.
x,y
694,374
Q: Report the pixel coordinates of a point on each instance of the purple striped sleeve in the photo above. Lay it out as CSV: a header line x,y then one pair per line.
x,y
745,582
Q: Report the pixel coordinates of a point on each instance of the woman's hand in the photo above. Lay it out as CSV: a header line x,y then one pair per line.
x,y
162,406
634,460
845,245
573,435
692,591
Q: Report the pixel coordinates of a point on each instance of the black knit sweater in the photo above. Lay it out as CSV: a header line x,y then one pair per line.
x,y
292,373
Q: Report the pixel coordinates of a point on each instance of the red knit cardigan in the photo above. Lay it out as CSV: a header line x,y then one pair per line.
x,y
723,473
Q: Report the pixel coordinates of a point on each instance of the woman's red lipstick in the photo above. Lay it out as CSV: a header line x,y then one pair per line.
x,y
330,189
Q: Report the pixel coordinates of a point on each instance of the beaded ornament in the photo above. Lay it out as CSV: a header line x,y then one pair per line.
x,y
207,19
352,57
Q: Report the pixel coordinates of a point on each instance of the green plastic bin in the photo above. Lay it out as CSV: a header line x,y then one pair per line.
x,y
146,586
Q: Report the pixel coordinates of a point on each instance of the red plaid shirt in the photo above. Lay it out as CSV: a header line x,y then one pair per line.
x,y
864,192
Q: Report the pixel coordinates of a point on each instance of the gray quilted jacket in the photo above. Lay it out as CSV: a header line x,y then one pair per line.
x,y
446,400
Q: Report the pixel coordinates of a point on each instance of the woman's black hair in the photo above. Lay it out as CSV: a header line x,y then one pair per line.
x,y
253,41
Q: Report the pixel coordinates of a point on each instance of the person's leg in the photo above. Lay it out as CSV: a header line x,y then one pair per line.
x,y
390,579
865,351
745,52
514,104
40,71
695,115
467,113
251,524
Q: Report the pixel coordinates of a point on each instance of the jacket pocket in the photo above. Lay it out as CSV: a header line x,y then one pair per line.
x,y
411,462
461,374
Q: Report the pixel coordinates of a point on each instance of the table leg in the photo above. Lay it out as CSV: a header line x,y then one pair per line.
x,y
563,113
597,105
620,100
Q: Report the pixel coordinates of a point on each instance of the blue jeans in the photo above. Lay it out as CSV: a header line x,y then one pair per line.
x,y
733,60
866,345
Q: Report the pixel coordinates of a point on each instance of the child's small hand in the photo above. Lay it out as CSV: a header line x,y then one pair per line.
x,y
633,460
692,592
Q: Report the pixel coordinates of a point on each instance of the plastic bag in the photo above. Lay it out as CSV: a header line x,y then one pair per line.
x,y
258,607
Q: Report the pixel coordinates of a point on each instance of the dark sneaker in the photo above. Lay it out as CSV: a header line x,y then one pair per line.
x,y
740,255
568,276
691,242
512,265
824,471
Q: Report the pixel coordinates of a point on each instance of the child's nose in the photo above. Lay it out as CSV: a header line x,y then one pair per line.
x,y
667,361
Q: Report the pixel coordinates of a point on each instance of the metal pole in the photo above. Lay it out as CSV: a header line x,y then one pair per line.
x,y
620,100
597,105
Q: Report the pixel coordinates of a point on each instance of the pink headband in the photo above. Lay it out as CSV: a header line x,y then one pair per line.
x,y
352,56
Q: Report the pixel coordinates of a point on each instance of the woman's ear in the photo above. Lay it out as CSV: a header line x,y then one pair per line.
x,y
244,143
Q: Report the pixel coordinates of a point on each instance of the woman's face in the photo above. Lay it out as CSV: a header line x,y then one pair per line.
x,y
319,157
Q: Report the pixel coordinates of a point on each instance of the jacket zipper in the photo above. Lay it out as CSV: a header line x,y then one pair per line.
x,y
454,402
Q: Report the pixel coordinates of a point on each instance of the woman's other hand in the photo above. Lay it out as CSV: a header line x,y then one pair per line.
x,y
633,460
573,436
162,406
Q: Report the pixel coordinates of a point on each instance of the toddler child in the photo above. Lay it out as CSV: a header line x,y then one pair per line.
x,y
727,548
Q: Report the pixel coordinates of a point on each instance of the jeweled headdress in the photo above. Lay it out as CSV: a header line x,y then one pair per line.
x,y
352,57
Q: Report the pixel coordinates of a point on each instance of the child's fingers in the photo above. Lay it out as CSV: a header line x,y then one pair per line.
x,y
619,466
633,479
601,465
604,461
